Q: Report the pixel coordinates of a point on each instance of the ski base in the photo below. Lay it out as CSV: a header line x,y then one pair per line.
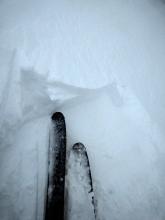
x,y
56,169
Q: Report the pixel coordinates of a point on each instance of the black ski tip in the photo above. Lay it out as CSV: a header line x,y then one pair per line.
x,y
79,147
57,116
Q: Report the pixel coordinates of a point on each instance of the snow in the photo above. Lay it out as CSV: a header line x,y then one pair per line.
x,y
102,64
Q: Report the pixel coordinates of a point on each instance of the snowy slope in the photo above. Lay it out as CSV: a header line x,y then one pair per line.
x,y
102,64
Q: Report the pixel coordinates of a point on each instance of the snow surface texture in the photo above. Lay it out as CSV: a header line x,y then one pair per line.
x,y
102,64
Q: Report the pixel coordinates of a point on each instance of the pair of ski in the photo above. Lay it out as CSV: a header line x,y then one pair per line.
x,y
77,202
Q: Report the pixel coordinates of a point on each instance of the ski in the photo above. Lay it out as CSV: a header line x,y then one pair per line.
x,y
56,169
80,187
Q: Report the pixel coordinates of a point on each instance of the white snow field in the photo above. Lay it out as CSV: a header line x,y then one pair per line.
x,y
102,63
